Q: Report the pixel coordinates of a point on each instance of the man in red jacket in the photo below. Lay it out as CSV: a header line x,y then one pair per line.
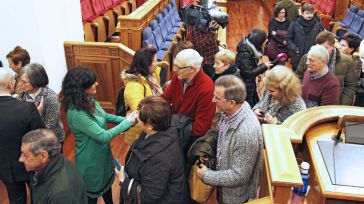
x,y
190,93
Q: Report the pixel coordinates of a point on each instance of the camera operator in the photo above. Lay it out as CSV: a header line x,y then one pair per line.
x,y
206,44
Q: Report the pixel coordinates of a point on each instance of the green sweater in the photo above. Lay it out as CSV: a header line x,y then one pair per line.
x,y
93,153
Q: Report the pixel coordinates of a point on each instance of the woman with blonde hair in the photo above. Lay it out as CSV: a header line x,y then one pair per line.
x,y
225,64
282,97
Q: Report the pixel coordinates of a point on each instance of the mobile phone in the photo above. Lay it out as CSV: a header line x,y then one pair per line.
x,y
117,164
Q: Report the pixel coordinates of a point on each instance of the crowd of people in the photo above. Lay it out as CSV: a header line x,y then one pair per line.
x,y
211,99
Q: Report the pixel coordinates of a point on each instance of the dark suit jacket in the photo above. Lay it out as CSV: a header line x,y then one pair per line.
x,y
16,119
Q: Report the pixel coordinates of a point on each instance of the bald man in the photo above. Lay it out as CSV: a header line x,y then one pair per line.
x,y
16,119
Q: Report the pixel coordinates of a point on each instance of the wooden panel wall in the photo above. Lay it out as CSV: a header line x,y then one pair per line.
x,y
341,9
106,60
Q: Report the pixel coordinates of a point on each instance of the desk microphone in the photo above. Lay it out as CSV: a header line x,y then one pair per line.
x,y
337,138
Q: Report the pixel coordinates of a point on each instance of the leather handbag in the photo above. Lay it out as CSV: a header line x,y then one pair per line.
x,y
200,191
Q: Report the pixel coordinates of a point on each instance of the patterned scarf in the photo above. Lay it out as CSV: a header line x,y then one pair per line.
x,y
223,128
332,61
154,86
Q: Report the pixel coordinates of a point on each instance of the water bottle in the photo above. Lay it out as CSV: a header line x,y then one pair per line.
x,y
304,167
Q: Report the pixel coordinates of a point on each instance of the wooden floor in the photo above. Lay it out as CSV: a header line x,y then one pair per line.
x,y
243,16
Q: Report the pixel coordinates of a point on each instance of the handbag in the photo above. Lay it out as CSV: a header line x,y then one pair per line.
x,y
274,48
200,191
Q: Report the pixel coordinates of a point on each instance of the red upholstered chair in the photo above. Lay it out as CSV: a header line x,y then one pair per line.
x,y
108,4
98,7
87,11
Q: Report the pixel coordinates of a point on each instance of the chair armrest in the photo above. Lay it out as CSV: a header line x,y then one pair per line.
x,y
106,18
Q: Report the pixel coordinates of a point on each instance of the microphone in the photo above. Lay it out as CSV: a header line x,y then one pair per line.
x,y
280,58
337,138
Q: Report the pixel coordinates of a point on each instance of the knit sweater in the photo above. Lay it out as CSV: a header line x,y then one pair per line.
x,y
321,91
241,158
196,102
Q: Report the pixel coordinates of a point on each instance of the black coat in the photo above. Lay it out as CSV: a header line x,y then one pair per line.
x,y
156,163
299,43
247,63
17,118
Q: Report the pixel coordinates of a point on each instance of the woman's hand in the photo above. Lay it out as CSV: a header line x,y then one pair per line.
x,y
120,173
132,117
260,114
268,64
270,119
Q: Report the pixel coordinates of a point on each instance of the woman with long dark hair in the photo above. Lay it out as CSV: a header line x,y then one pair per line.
x,y
88,122
140,80
249,52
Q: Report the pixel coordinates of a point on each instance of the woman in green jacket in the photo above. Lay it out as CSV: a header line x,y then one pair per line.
x,y
88,122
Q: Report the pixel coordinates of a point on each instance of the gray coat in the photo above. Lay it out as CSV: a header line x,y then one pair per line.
x,y
280,111
241,159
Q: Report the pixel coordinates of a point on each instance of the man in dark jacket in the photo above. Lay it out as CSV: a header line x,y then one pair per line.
x,y
54,179
340,64
17,118
302,34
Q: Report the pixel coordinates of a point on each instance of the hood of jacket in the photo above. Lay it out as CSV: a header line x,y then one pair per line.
x,y
147,148
126,77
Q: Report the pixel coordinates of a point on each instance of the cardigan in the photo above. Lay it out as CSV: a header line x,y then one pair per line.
x,y
93,152
237,177
196,102
278,110
50,115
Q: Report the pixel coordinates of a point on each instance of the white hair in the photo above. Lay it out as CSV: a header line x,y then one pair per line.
x,y
320,52
5,75
191,57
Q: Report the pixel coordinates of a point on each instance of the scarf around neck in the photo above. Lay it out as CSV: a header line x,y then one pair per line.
x,y
257,54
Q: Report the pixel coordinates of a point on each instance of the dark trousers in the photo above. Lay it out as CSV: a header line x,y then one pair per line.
x,y
17,192
107,196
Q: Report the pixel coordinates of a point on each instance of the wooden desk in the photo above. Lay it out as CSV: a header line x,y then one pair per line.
x,y
328,191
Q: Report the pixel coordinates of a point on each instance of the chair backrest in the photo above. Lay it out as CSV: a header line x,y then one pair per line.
x,y
148,38
88,32
88,13
99,25
111,25
329,8
108,4
361,33
357,24
116,2
348,20
167,19
360,13
157,32
353,9
171,14
98,7
162,25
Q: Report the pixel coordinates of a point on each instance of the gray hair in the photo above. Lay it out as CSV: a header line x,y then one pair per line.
x,y
41,140
191,56
5,75
320,52
234,88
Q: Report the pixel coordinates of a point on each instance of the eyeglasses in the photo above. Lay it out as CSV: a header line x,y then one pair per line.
x,y
217,99
176,67
23,81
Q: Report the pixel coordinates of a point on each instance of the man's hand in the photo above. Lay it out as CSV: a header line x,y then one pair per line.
x,y
201,171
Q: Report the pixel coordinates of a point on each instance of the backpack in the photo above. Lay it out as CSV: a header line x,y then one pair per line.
x,y
121,110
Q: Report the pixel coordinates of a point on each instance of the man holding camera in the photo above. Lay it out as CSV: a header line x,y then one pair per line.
x,y
206,44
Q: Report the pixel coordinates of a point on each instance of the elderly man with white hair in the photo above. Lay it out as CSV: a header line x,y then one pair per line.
x,y
191,91
319,86
17,118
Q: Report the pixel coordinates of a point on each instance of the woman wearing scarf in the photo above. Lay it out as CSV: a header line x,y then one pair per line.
x,y
302,34
141,80
249,52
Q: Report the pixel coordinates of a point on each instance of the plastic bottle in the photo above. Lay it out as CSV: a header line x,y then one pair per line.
x,y
304,167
